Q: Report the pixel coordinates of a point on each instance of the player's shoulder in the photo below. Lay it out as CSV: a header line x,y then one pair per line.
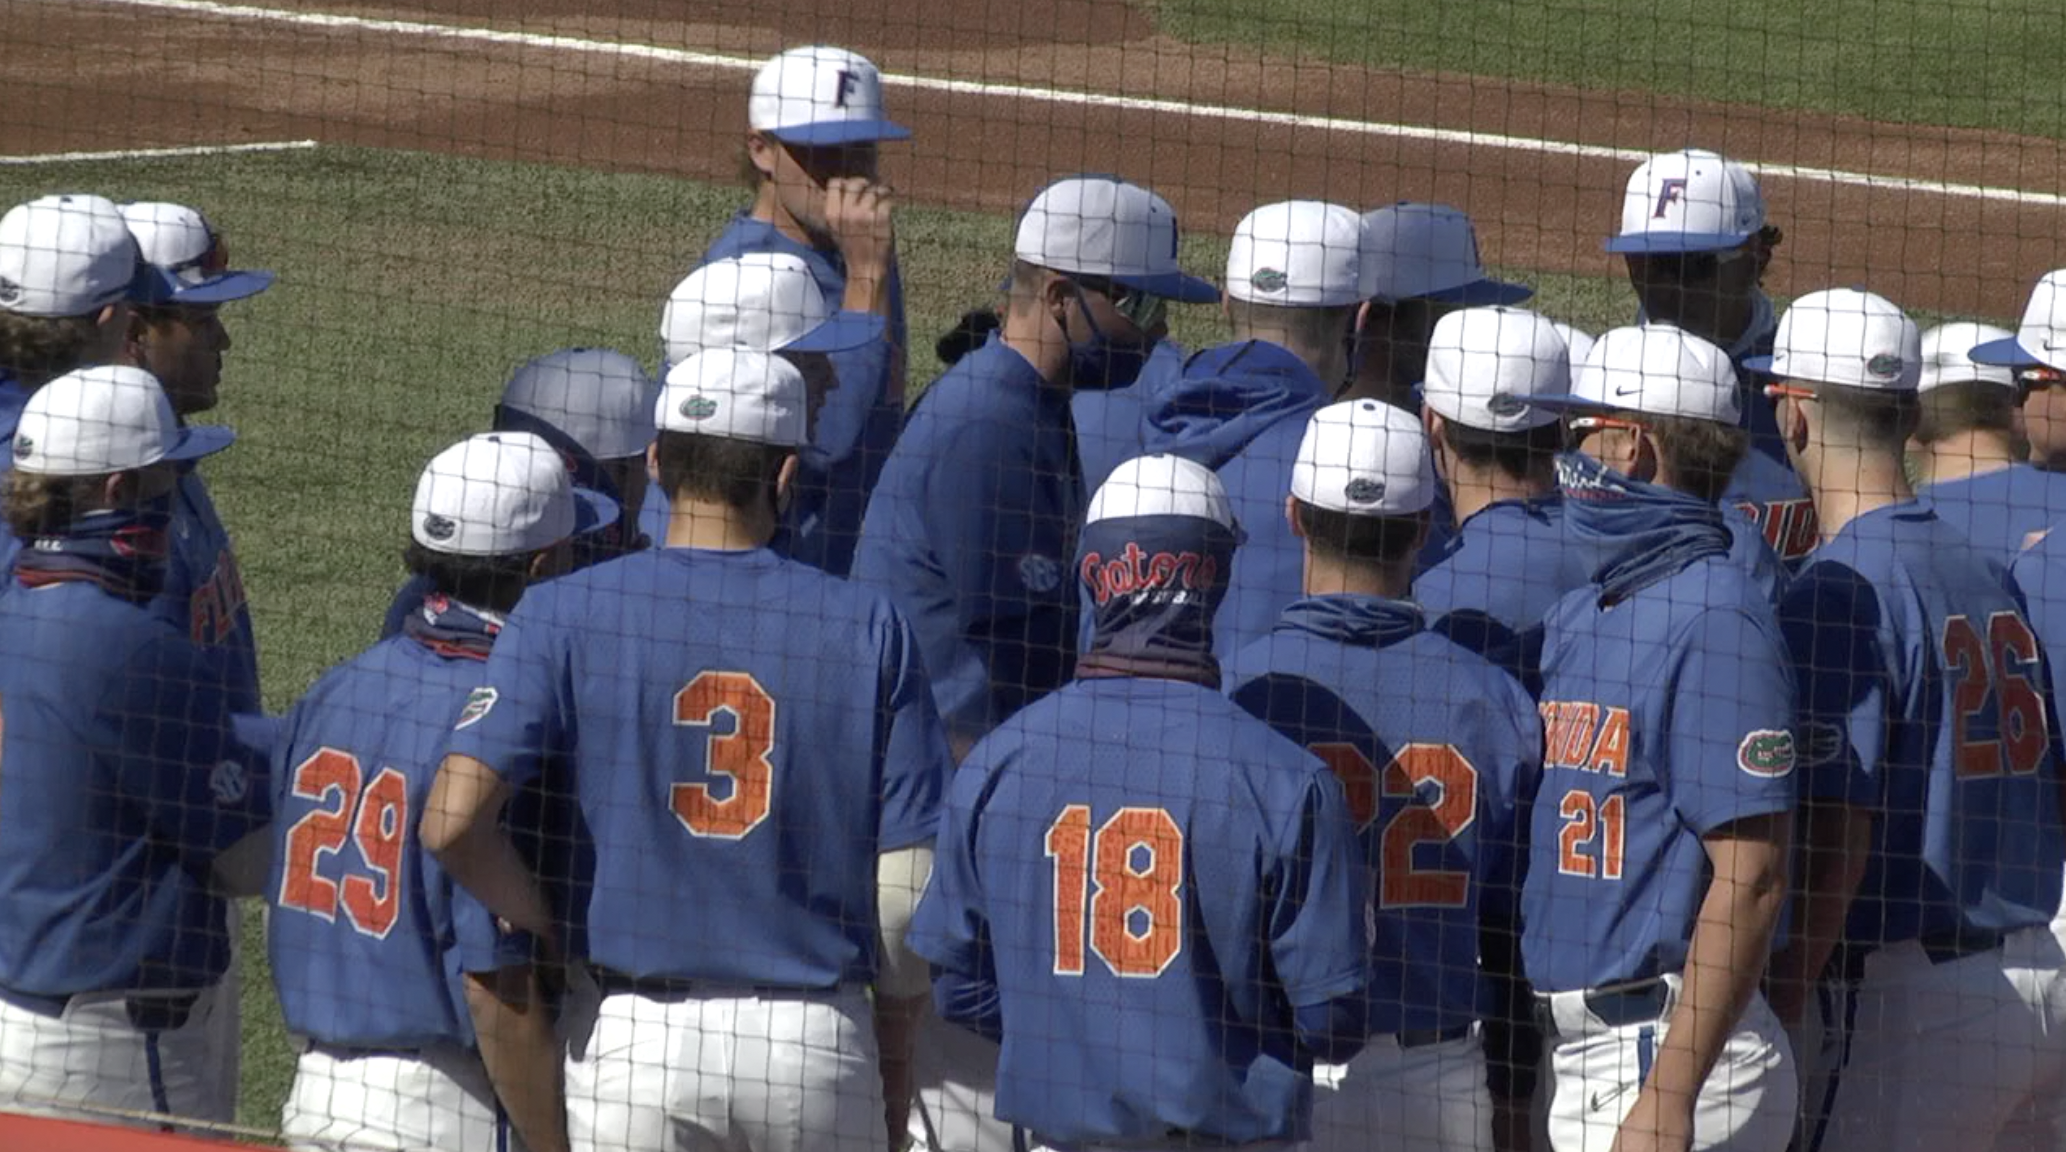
x,y
78,617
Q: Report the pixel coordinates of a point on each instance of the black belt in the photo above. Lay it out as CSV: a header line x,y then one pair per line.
x,y
362,1051
1617,1006
1422,1037
1944,947
671,988
1170,1138
156,1013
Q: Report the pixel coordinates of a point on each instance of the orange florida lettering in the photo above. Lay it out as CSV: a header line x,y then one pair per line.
x,y
1586,736
213,607
1789,526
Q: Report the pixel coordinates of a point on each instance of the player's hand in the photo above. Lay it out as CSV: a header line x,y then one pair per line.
x,y
857,214
1656,1125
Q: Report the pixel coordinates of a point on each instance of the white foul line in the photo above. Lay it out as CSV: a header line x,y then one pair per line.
x,y
157,153
1067,96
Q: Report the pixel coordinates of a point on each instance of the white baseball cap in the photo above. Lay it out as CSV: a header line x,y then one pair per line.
x,y
1162,485
819,96
1688,201
180,243
1364,458
1845,336
1417,251
70,256
737,394
1947,359
2040,341
601,398
1578,340
1300,254
98,421
1104,226
1486,364
502,494
767,301
1657,369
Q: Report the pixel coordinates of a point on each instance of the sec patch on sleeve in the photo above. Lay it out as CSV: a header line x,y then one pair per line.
x,y
1766,752
479,703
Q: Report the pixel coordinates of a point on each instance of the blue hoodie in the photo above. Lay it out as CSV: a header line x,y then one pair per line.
x,y
1241,410
13,398
1109,425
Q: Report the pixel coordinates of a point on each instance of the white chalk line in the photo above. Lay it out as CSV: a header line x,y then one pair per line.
x,y
1064,96
156,153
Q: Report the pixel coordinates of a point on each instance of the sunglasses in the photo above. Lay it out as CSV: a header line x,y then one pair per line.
x,y
2032,379
1691,266
1145,309
1577,428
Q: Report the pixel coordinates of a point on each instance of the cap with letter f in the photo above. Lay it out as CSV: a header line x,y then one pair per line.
x,y
1106,227
767,301
99,421
502,494
1364,458
1846,337
2040,340
735,394
819,96
1655,370
189,254
1688,201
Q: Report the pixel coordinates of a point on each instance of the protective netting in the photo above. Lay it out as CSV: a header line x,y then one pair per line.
x,y
1133,576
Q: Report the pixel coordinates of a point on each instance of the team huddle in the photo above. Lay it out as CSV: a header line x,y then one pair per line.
x,y
1411,723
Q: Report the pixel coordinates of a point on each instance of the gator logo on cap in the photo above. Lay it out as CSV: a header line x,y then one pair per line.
x,y
1766,752
1505,404
10,292
1885,365
439,527
24,447
1269,280
698,407
1364,490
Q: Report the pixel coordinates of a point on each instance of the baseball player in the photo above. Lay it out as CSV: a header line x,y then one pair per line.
x,y
179,338
815,120
1694,234
1658,844
356,902
1294,291
69,278
1434,747
1978,425
1930,764
773,733
2040,571
594,406
1161,966
2039,377
131,808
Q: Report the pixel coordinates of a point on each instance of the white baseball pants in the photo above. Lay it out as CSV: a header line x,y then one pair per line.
x,y
92,1061
434,1100
1425,1099
1748,1103
1966,1053
734,1070
956,1109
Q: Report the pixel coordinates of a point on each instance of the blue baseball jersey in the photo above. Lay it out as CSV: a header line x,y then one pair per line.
x,y
2003,511
121,780
1507,565
743,736
851,434
1241,409
1925,703
2039,576
1154,882
1435,748
1109,426
357,902
13,398
1772,496
971,533
204,590
1666,716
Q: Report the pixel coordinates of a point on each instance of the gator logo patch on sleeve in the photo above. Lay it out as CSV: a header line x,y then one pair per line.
x,y
479,703
1766,752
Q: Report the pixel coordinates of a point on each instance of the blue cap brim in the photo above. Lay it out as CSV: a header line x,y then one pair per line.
x,y
1565,401
198,440
1181,287
1675,243
2005,353
593,511
829,132
1757,364
223,289
841,331
1484,293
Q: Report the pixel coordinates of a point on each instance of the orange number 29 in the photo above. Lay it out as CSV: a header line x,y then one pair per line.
x,y
741,755
1136,910
1403,883
1979,669
372,903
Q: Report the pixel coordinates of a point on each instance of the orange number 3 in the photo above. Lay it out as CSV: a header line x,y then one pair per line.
x,y
372,903
1402,883
742,756
1137,861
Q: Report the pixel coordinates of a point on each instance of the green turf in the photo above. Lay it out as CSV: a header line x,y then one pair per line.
x,y
409,286
1969,63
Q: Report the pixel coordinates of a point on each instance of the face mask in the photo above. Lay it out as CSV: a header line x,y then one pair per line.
x,y
124,552
1097,364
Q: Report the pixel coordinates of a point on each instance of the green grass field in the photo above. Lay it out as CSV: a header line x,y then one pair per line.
x,y
1967,63
410,285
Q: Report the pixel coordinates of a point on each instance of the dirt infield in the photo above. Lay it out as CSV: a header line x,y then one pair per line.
x,y
81,75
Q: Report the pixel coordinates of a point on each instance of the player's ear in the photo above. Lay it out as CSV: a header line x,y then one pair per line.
x,y
760,153
653,461
118,489
1298,528
785,483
